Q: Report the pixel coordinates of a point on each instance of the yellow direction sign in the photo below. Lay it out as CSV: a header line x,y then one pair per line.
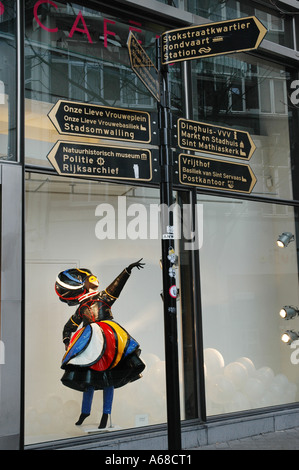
x,y
225,37
208,138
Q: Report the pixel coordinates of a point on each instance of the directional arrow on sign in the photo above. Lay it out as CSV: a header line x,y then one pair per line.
x,y
225,37
215,174
224,141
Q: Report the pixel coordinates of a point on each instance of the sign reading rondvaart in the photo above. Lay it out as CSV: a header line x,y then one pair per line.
x,y
99,161
225,37
90,120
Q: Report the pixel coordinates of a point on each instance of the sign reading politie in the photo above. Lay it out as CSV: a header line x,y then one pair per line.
x,y
225,37
101,161
90,120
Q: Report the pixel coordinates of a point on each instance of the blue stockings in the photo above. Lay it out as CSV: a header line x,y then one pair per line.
x,y
108,393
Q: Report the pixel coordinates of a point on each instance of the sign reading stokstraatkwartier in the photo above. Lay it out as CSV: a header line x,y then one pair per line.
x,y
240,34
215,174
224,141
143,66
98,161
89,120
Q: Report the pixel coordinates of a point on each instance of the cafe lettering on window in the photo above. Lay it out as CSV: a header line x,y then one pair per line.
x,y
91,27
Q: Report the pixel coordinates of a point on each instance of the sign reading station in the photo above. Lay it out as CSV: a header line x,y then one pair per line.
x,y
215,174
88,120
98,161
224,141
143,67
241,34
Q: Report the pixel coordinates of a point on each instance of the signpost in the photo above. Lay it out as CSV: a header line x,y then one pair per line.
x,y
225,37
224,141
215,174
98,161
144,68
102,122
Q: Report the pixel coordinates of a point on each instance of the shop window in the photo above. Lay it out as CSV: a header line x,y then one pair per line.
x,y
77,53
246,279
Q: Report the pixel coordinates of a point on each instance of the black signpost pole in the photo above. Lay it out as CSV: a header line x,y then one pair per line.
x,y
169,286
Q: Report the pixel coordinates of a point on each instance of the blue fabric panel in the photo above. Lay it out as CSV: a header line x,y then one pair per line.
x,y
79,345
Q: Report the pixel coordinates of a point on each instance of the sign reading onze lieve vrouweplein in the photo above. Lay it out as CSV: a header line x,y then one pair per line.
x,y
99,161
208,138
225,37
90,120
215,174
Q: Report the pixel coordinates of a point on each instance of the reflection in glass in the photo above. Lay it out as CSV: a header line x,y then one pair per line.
x,y
245,280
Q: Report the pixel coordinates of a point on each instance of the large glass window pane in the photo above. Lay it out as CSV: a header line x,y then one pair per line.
x,y
7,80
248,94
246,280
79,54
78,223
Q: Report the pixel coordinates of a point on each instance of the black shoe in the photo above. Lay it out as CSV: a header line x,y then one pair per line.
x,y
81,418
103,422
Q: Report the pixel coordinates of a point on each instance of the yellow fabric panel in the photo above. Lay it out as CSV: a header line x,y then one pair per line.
x,y
122,338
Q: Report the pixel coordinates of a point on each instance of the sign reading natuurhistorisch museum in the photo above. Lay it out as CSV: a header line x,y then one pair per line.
x,y
90,120
98,161
193,42
215,174
224,141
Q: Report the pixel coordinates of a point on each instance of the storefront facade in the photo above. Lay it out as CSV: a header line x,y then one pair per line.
x,y
232,278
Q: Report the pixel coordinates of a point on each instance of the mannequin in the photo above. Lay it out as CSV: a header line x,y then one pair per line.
x,y
100,355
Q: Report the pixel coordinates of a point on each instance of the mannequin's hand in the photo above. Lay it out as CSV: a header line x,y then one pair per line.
x,y
137,265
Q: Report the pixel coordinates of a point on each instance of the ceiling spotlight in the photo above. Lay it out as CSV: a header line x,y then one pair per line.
x,y
284,239
288,312
289,336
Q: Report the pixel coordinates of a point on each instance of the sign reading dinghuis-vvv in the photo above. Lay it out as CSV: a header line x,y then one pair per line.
x,y
90,120
241,34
